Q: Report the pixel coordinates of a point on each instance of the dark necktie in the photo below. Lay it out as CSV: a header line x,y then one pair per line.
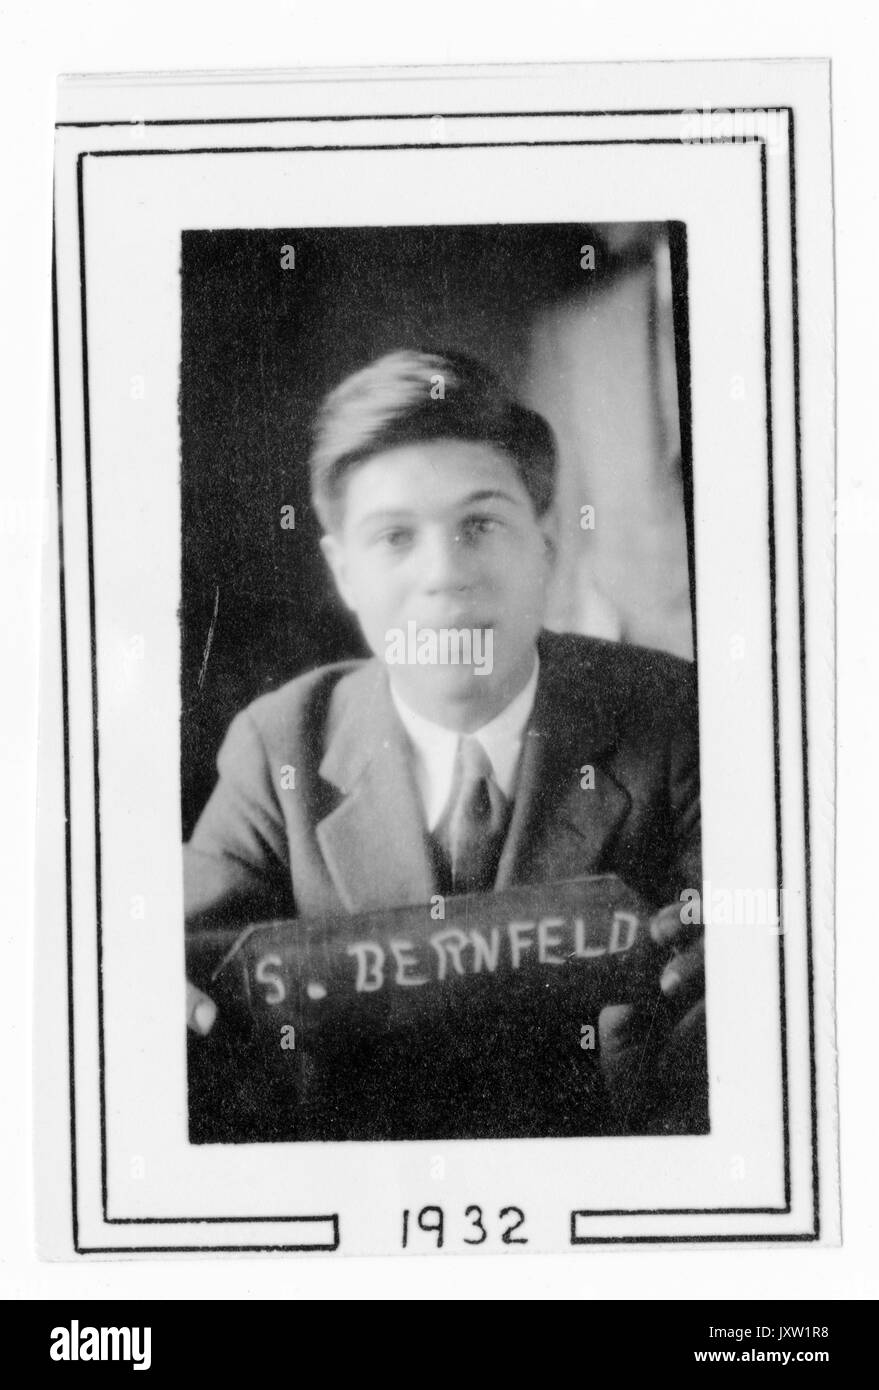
x,y
471,828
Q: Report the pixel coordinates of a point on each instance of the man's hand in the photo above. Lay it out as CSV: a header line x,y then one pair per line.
x,y
683,980
201,1011
653,1055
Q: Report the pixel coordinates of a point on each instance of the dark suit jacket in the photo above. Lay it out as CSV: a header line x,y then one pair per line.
x,y
349,834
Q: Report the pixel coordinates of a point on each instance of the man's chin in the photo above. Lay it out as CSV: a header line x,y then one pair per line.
x,y
465,683
446,694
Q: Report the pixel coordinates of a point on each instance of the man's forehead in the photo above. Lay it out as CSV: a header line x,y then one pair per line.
x,y
451,473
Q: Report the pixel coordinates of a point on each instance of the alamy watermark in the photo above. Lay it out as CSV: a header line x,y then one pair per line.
x,y
443,646
76,1343
737,125
737,907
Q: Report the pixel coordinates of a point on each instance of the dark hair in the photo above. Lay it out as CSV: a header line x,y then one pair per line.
x,y
410,397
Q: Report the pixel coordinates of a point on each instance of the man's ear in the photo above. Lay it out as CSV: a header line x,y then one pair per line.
x,y
334,554
549,527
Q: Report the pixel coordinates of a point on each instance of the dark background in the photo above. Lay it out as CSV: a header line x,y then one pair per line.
x,y
260,347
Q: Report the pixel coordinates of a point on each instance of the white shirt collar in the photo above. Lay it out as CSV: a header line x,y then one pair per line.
x,y
435,747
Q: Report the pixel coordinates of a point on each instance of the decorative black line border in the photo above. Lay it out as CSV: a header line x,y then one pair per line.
x,y
443,145
429,115
774,1237
773,640
313,1247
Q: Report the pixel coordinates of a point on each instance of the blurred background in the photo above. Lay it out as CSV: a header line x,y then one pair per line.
x,y
602,353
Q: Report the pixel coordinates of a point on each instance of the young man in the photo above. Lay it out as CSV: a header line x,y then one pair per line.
x,y
419,772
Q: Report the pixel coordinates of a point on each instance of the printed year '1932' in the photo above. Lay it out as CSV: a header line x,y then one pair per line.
x,y
432,1220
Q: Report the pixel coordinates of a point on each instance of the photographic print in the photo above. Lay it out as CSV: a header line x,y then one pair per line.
x,y
437,653
395,532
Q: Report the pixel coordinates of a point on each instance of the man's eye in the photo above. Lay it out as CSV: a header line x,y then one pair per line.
x,y
476,526
396,538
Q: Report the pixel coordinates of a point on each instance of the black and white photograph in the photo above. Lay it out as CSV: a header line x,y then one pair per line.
x,y
440,665
449,676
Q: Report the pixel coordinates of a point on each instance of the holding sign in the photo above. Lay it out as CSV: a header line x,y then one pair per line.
x,y
464,1017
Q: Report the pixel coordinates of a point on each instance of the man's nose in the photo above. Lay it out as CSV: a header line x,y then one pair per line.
x,y
446,562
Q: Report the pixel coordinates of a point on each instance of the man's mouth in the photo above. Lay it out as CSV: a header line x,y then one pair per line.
x,y
468,622
455,641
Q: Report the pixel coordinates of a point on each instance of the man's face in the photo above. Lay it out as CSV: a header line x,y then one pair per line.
x,y
443,535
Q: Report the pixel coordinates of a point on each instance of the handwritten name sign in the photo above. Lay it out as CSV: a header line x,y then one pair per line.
x,y
408,962
470,1016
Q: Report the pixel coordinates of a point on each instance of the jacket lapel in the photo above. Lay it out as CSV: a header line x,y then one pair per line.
x,y
559,828
373,843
